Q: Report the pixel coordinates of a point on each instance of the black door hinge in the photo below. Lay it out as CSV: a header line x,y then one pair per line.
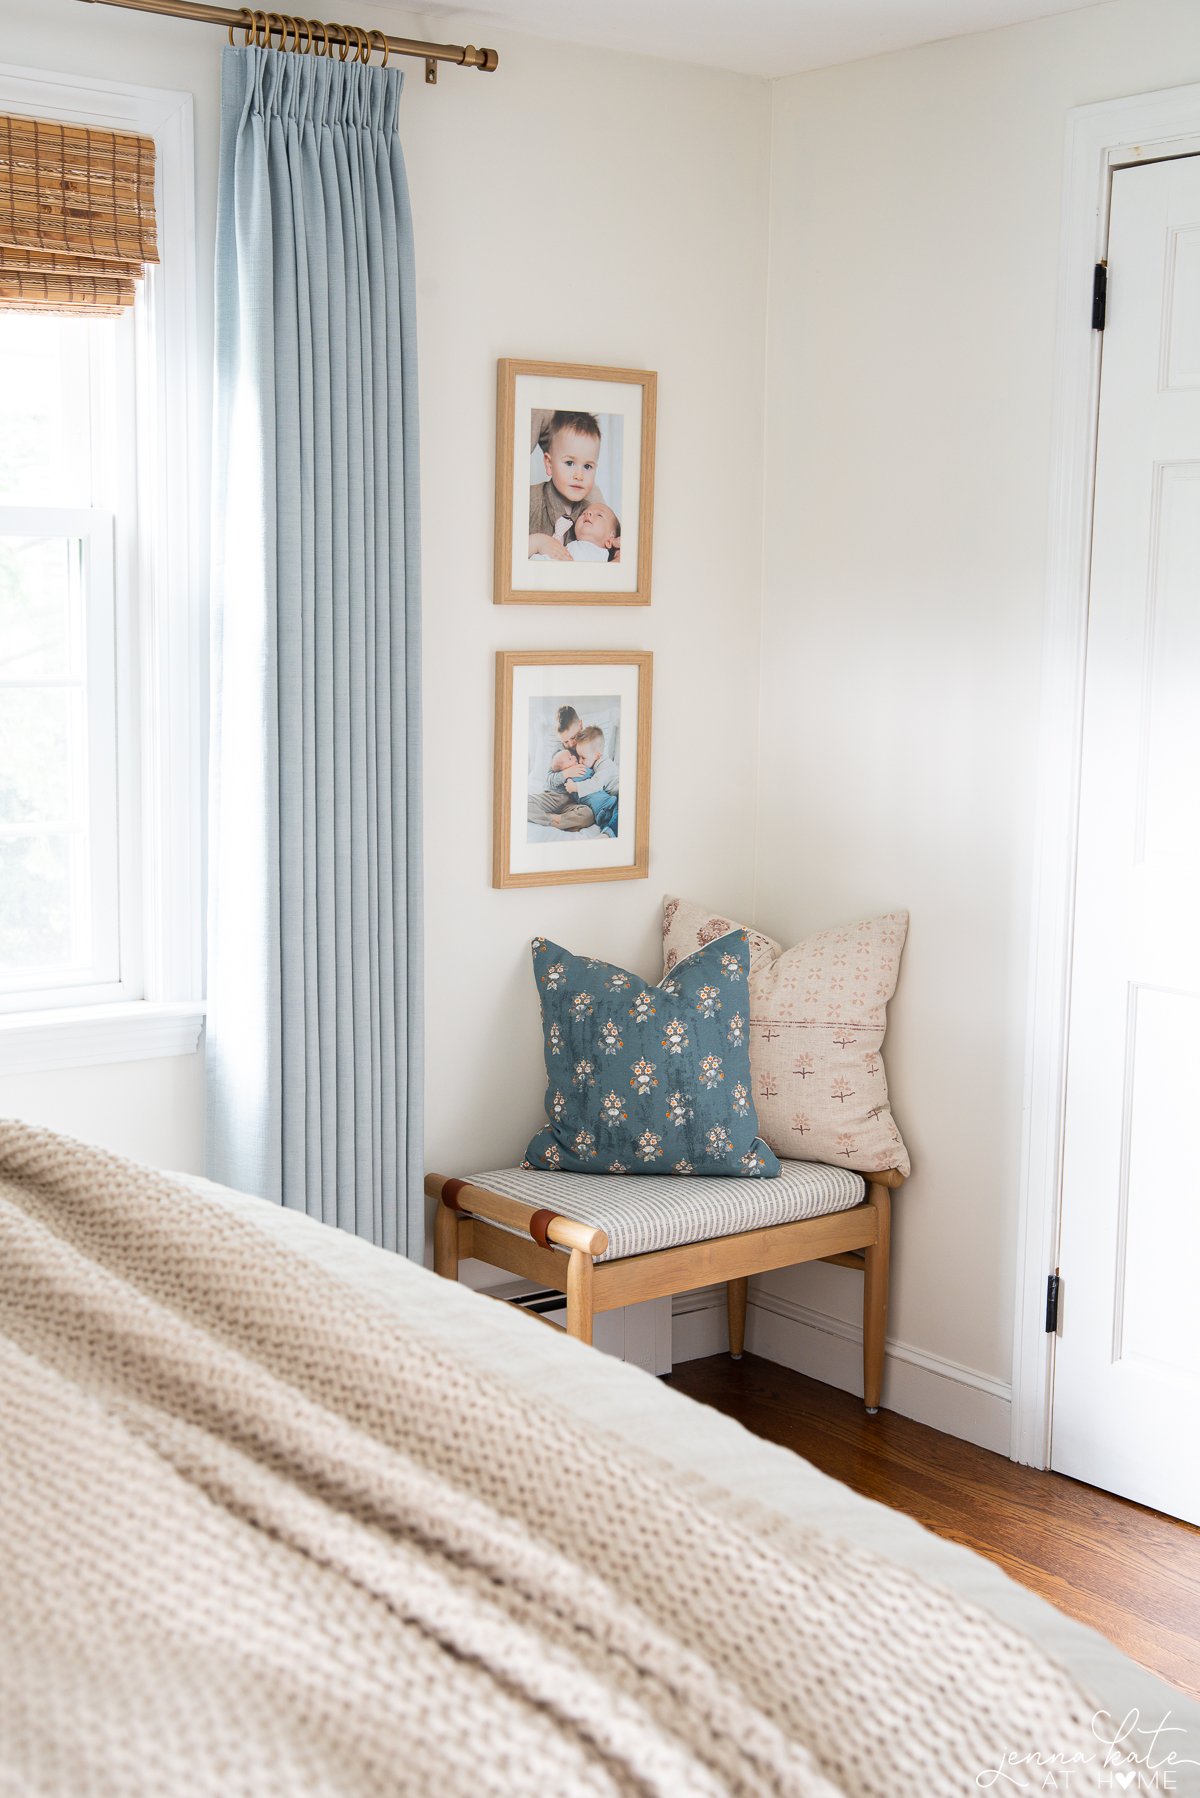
x,y
1099,296
1052,1291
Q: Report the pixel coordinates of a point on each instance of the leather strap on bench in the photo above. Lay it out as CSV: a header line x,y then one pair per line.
x,y
539,1223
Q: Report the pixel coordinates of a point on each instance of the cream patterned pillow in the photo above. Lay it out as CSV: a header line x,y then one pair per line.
x,y
818,1012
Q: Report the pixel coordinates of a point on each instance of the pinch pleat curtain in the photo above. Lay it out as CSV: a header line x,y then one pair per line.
x,y
314,1018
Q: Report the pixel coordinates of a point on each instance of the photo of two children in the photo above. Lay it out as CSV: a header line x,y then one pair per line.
x,y
575,486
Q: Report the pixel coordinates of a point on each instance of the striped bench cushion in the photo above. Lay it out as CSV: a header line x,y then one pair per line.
x,y
659,1211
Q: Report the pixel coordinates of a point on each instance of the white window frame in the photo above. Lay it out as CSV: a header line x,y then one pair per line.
x,y
1109,135
165,729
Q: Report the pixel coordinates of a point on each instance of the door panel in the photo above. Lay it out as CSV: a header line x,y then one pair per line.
x,y
1158,1232
1181,337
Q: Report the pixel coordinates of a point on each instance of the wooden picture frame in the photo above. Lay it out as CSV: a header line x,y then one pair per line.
x,y
617,468
535,692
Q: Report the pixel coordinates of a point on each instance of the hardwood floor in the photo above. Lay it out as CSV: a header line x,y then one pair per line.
x,y
1131,1573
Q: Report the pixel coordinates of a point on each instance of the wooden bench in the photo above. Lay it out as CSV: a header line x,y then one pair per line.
x,y
572,1254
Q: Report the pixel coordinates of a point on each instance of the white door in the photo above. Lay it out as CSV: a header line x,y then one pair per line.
x,y
1127,1366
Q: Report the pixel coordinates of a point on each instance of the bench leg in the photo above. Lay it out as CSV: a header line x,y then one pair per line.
x,y
875,1296
445,1242
579,1296
735,1304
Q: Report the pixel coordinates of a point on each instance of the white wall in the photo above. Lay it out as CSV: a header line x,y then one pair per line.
x,y
679,158
914,245
681,164
150,1110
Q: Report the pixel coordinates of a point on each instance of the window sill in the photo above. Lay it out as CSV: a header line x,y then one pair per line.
x,y
85,1036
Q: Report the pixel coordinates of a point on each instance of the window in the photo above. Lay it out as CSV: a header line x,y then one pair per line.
x,y
69,911
101,643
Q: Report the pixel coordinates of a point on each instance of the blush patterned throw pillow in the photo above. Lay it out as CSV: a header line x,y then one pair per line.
x,y
817,1012
648,1079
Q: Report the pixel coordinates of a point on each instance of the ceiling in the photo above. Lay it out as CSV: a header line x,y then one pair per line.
x,y
756,37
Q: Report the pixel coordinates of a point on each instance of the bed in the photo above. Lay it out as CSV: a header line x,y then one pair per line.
x,y
229,1570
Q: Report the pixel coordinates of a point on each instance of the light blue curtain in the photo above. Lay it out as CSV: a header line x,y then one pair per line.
x,y
314,1021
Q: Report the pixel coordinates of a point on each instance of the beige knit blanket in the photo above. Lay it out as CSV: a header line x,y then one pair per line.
x,y
257,1537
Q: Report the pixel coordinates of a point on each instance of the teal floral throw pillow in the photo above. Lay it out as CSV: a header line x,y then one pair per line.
x,y
648,1079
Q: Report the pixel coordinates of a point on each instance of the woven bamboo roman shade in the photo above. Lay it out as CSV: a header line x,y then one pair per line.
x,y
77,222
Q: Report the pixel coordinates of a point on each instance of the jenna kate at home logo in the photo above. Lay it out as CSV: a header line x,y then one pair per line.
x,y
1129,1756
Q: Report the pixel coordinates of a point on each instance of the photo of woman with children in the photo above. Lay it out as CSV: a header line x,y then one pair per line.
x,y
574,767
572,799
574,486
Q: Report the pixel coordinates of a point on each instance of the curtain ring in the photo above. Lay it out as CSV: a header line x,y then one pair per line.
x,y
303,36
383,44
275,23
315,28
262,38
246,20
364,48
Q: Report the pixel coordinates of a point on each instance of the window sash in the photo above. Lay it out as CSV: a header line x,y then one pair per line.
x,y
96,832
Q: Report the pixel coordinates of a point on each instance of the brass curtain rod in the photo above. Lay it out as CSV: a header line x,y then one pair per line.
x,y
347,39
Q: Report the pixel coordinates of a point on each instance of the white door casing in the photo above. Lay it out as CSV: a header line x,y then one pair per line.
x,y
1127,1374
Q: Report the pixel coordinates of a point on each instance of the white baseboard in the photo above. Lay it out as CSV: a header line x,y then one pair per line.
x,y
925,1387
699,1325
